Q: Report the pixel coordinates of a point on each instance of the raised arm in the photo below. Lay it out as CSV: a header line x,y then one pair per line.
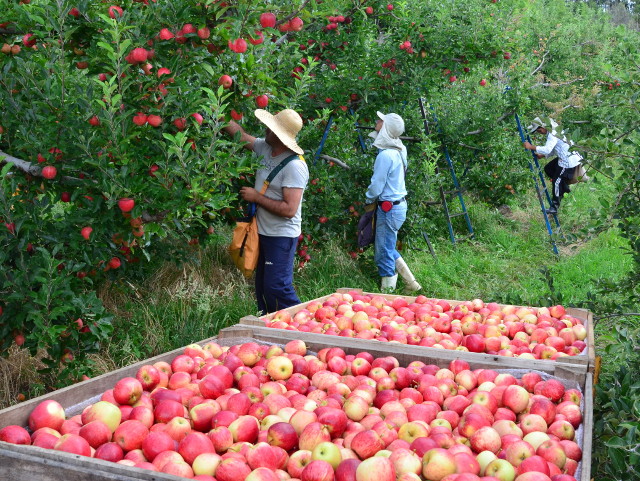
x,y
245,138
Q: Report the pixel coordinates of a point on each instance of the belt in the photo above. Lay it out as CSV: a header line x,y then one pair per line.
x,y
399,201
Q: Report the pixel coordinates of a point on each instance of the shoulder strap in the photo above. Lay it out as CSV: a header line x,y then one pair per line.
x,y
276,171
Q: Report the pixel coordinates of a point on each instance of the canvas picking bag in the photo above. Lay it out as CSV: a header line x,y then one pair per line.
x,y
244,247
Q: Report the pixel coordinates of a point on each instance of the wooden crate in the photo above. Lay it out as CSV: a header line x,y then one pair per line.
x,y
584,362
405,354
28,463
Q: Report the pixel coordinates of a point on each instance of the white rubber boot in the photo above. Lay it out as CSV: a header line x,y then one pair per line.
x,y
411,285
389,283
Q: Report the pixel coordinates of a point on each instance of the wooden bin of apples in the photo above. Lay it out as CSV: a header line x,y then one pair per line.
x,y
558,334
236,408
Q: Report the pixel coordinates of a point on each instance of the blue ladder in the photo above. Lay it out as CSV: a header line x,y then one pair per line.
x,y
457,188
541,186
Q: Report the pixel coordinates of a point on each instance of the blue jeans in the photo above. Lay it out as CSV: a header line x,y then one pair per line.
x,y
387,226
274,273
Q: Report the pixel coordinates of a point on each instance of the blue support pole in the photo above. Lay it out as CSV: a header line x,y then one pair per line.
x,y
324,139
540,199
360,139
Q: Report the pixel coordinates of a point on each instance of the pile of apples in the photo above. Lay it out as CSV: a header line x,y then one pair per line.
x,y
474,326
263,413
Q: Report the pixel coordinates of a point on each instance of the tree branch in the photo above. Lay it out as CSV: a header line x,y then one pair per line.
x,y
335,161
552,84
33,169
625,134
500,119
541,63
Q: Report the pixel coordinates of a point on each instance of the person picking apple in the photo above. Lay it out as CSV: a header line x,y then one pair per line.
x,y
387,189
562,168
279,212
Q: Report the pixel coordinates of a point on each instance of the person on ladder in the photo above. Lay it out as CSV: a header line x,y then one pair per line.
x,y
387,189
561,170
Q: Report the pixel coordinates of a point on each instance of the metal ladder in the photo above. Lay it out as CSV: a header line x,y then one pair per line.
x,y
457,191
541,186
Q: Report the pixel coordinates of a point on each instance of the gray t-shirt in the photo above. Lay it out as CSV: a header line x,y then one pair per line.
x,y
294,175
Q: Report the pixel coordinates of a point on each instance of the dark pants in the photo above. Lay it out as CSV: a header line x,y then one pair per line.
x,y
274,274
559,180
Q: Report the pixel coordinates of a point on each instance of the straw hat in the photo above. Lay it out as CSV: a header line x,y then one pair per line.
x,y
537,122
285,125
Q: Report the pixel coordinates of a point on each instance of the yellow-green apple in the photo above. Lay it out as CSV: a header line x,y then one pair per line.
x,y
48,414
282,434
206,464
232,469
438,463
103,411
484,458
377,468
366,444
329,452
501,469
486,439
412,430
178,428
96,433
536,438
518,452
72,443
279,368
552,451
127,390
318,470
18,435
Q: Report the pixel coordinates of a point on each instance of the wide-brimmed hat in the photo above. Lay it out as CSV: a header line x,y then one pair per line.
x,y
394,123
537,122
285,125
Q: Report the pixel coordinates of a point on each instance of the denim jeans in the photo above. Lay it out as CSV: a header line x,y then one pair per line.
x,y
387,226
274,273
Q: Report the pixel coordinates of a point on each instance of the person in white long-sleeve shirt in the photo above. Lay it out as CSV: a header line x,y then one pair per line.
x,y
561,168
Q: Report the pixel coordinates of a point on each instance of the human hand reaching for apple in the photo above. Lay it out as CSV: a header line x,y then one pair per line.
x,y
249,194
